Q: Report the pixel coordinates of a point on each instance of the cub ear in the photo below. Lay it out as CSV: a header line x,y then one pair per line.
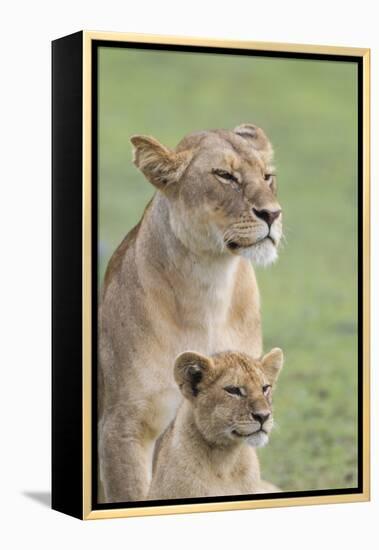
x,y
161,166
190,370
272,364
257,138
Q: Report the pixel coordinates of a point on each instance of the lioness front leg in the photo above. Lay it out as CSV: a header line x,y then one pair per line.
x,y
125,448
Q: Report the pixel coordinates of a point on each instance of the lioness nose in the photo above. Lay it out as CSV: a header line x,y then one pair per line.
x,y
260,416
269,216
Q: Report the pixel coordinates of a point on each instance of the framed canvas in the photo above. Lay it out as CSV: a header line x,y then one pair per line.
x,y
210,224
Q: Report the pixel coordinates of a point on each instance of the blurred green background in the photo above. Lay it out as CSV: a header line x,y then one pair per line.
x,y
309,298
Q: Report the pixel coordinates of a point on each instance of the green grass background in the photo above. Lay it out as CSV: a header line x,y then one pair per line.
x,y
309,298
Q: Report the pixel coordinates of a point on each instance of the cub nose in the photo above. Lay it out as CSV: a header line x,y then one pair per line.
x,y
261,416
269,216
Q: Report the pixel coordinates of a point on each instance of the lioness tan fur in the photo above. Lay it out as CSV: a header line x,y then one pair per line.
x,y
209,448
180,280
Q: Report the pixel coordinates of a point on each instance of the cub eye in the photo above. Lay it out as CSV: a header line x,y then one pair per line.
x,y
234,390
225,175
268,177
266,389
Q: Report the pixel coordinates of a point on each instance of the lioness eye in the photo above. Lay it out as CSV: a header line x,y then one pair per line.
x,y
266,389
233,390
267,177
225,175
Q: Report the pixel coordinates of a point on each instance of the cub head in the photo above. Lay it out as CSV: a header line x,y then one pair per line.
x,y
221,190
231,394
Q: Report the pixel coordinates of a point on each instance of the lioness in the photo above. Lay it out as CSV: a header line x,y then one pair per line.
x,y
208,449
180,280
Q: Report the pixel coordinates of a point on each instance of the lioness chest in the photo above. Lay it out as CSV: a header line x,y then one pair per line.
x,y
218,311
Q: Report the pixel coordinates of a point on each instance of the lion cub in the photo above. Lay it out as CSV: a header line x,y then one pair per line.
x,y
208,449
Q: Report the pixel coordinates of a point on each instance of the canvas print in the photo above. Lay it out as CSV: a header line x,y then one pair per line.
x,y
227,276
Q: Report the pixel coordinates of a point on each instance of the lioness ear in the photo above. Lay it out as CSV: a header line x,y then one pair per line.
x,y
272,364
257,138
162,166
190,370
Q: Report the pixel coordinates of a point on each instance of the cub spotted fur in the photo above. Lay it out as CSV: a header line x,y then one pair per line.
x,y
209,448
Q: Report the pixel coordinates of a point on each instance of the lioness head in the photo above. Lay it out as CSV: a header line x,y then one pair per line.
x,y
231,394
221,187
